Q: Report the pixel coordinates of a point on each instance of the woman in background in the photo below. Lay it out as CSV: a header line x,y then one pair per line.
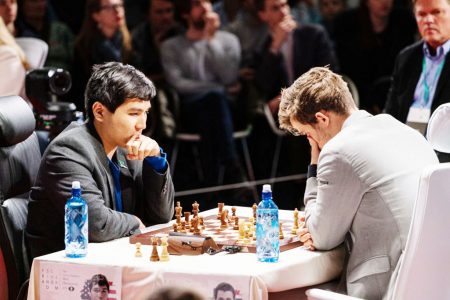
x,y
8,11
103,37
13,63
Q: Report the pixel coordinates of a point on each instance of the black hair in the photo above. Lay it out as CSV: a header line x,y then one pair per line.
x,y
223,286
112,83
100,280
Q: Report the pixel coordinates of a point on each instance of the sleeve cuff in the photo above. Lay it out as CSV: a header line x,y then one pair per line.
x,y
158,163
312,171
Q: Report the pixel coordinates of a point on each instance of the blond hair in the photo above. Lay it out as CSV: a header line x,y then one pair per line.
x,y
316,90
6,38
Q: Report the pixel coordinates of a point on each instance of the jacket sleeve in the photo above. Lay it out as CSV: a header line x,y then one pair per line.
x,y
66,163
331,200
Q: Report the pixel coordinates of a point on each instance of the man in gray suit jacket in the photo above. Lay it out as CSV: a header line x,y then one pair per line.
x,y
123,174
362,181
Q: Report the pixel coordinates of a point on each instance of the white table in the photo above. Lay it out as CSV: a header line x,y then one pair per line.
x,y
296,268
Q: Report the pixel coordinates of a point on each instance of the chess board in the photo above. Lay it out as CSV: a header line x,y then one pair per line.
x,y
224,236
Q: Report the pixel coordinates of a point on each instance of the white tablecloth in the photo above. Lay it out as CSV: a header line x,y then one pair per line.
x,y
296,268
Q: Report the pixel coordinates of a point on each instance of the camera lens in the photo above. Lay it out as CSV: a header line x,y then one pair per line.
x,y
60,82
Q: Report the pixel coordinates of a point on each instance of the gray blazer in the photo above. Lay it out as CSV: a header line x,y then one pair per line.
x,y
77,154
366,185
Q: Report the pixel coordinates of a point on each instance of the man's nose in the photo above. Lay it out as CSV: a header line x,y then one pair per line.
x,y
142,122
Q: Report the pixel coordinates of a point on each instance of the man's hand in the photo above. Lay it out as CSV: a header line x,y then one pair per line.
x,y
281,32
141,146
141,225
212,24
315,150
305,236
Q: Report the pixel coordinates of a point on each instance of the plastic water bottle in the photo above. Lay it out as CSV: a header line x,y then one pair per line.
x,y
76,223
267,228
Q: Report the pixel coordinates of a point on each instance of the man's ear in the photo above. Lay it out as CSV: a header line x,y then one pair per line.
x,y
322,118
98,110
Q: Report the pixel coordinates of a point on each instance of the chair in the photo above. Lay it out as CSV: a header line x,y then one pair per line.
x,y
425,266
19,162
438,132
36,51
240,135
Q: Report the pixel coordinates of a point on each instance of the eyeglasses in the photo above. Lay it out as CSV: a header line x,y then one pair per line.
x,y
112,7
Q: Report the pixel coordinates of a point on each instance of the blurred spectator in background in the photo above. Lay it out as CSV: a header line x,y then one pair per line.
x,y
367,41
13,64
421,75
147,38
228,10
291,50
104,37
202,65
34,20
329,9
8,11
305,11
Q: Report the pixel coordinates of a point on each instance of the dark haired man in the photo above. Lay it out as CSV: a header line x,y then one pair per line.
x,y
98,287
362,182
224,291
123,174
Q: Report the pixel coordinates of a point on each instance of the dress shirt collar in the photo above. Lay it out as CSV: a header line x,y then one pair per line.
x,y
355,117
441,51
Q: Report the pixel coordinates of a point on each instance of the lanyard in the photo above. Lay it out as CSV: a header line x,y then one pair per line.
x,y
426,87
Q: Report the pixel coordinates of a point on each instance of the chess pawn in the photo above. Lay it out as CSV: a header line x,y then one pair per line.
x,y
138,250
201,222
281,235
164,253
154,256
186,219
183,226
175,227
254,207
241,230
295,226
236,223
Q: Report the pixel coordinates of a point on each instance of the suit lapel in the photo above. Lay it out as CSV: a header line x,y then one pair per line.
x,y
126,182
415,72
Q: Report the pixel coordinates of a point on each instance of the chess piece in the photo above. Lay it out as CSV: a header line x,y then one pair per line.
x,y
183,226
186,219
178,214
175,227
138,250
154,256
195,228
246,235
201,222
254,207
223,219
164,253
281,235
195,208
241,230
220,206
236,223
295,226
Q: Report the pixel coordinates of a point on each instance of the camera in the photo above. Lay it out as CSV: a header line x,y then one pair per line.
x,y
43,88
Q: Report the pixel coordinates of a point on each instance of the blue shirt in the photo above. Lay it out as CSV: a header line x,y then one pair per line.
x,y
431,70
158,163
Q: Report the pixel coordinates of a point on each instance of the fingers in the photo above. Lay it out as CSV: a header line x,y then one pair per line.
x,y
306,238
140,148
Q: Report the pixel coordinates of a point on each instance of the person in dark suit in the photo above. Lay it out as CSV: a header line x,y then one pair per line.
x,y
420,77
291,50
124,174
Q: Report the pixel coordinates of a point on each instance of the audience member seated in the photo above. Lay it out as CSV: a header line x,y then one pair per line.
x,y
362,181
13,64
104,37
228,11
8,11
329,10
420,78
124,175
305,11
367,41
147,38
35,21
202,65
